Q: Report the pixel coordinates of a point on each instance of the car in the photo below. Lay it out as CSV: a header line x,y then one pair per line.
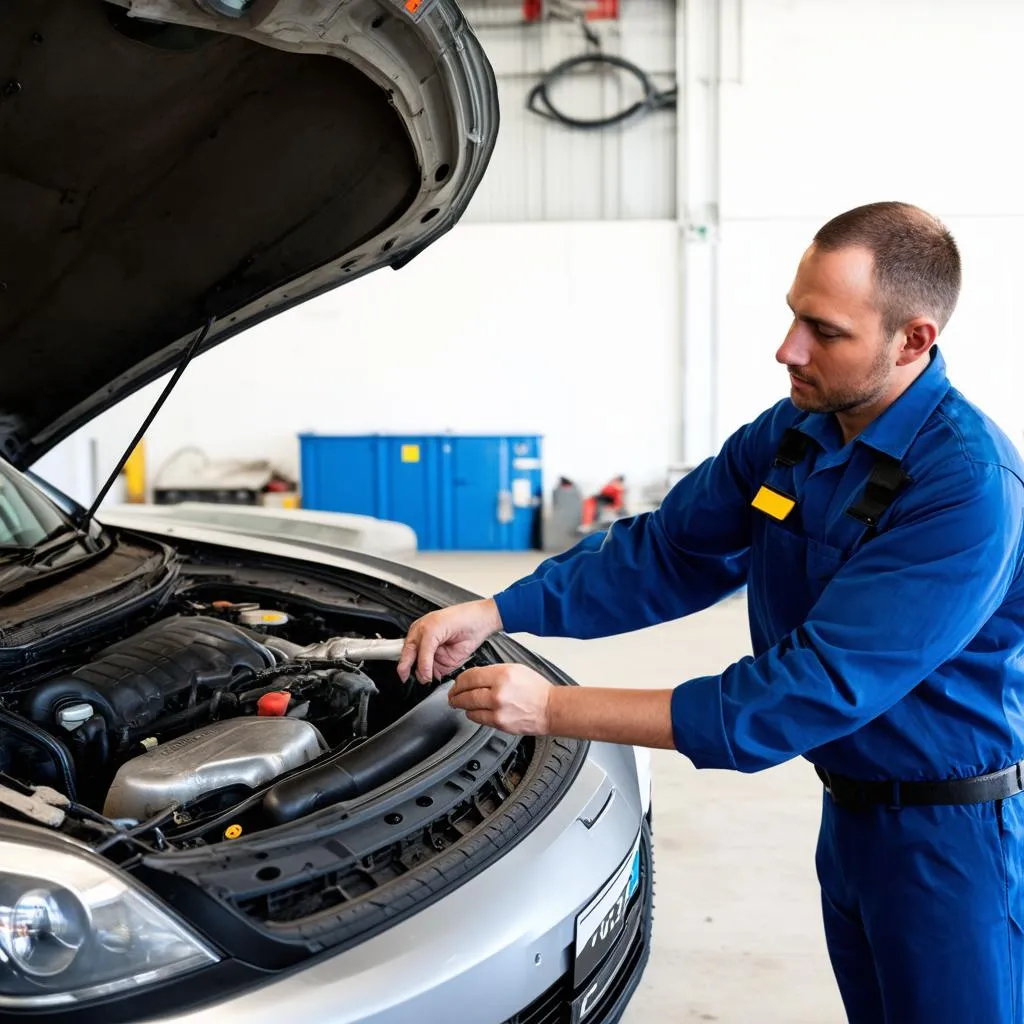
x,y
217,800
346,530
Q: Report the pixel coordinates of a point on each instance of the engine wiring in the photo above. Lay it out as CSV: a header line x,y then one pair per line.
x,y
134,833
347,677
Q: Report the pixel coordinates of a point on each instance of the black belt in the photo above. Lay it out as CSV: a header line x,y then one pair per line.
x,y
978,790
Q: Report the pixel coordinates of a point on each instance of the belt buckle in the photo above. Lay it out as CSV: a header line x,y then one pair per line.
x,y
826,780
895,803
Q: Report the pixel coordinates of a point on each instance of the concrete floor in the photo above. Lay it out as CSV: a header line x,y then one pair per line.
x,y
737,930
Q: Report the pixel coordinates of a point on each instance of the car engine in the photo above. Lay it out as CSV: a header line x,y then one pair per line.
x,y
198,711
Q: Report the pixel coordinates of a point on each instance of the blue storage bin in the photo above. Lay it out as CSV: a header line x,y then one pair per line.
x,y
457,492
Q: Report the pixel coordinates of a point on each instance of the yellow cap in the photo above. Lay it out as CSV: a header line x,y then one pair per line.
x,y
232,831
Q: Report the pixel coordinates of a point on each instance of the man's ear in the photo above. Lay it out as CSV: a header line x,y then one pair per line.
x,y
918,337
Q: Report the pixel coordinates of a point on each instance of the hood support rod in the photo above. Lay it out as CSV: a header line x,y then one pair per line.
x,y
190,352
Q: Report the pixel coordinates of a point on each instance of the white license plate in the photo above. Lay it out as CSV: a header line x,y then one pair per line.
x,y
599,925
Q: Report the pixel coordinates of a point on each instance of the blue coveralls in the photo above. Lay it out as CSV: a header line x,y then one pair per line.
x,y
892,656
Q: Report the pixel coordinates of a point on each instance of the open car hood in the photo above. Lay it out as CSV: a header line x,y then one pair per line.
x,y
163,163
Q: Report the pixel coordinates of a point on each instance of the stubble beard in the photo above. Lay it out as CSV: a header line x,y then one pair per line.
x,y
848,398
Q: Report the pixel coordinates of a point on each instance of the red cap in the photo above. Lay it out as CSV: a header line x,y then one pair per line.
x,y
275,703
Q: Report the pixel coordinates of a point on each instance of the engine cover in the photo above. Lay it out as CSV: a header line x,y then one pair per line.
x,y
131,682
248,751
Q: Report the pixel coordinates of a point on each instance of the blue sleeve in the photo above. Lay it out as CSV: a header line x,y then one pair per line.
x,y
650,568
909,600
591,542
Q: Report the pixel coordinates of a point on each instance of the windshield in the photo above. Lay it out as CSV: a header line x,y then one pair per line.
x,y
26,516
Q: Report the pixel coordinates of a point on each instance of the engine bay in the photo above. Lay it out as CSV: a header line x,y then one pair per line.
x,y
223,716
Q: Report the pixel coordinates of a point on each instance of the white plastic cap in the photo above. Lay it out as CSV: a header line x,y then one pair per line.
x,y
263,617
74,715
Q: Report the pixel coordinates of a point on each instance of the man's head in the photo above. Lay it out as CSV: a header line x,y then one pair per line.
x,y
870,297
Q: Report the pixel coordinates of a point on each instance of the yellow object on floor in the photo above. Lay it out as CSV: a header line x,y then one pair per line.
x,y
135,475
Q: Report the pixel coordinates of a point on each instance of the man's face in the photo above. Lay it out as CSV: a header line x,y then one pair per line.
x,y
836,351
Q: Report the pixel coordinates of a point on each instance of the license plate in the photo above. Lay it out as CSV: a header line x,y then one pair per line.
x,y
599,925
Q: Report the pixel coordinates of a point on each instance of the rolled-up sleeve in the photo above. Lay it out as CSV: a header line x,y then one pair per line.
x,y
907,601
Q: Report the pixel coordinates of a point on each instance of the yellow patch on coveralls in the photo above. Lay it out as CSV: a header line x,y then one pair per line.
x,y
772,503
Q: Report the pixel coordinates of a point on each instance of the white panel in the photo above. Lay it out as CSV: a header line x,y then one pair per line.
x,y
839,102
568,330
831,103
982,341
756,266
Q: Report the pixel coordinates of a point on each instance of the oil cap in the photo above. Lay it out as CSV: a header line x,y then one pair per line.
x,y
73,715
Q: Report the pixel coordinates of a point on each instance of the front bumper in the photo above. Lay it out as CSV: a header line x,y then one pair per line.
x,y
488,950
603,998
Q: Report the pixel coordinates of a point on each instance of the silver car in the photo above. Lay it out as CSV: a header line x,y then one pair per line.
x,y
217,801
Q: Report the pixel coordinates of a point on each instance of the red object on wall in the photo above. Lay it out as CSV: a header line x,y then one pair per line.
x,y
603,10
598,10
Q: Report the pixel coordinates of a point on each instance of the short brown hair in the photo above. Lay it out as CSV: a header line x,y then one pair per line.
x,y
917,263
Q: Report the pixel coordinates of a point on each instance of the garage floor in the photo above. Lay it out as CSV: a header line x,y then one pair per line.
x,y
737,932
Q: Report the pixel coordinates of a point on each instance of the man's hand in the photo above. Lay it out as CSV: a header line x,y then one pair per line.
x,y
444,640
515,699
512,698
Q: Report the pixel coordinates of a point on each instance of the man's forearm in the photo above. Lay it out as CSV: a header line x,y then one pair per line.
x,y
641,718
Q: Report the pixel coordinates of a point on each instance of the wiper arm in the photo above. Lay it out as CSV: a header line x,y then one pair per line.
x,y
52,544
15,552
58,541
30,563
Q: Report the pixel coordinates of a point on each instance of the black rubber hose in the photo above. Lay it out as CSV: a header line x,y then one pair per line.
x,y
539,100
137,830
58,751
91,739
415,736
45,699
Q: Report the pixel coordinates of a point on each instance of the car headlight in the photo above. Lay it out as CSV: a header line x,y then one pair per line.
x,y
72,930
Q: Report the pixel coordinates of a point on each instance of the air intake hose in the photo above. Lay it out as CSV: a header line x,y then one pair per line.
x,y
402,745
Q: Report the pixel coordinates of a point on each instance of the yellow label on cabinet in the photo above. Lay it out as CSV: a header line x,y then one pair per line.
x,y
772,503
410,453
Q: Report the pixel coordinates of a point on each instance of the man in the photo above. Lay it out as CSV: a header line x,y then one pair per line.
x,y
876,518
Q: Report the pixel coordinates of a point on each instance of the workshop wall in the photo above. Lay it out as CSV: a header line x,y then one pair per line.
x,y
556,307
829,105
542,170
567,330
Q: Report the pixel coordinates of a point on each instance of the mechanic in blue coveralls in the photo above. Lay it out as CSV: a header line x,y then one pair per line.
x,y
876,517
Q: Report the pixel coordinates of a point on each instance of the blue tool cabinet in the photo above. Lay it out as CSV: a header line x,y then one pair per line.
x,y
457,492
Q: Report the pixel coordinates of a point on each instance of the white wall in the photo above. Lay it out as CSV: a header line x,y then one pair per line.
x,y
544,171
833,103
567,330
571,329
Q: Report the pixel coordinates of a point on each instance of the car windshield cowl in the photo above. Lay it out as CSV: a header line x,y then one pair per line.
x,y
56,540
34,530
